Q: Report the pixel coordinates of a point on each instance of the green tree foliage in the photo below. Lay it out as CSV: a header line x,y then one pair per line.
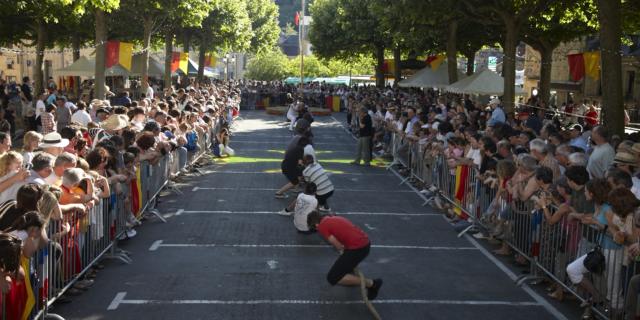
x,y
226,28
268,66
264,24
274,65
342,28
559,22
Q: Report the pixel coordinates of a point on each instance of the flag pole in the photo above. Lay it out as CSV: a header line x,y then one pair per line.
x,y
301,36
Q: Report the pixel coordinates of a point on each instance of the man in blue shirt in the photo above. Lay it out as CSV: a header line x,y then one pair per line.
x,y
497,114
577,140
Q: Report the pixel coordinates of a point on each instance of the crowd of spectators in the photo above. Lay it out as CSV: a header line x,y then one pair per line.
x,y
76,156
535,180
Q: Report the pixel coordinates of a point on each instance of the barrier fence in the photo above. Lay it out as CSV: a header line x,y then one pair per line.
x,y
93,236
548,241
260,100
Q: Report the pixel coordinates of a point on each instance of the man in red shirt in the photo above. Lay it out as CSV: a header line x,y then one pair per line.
x,y
352,243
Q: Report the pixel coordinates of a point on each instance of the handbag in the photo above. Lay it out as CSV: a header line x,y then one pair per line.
x,y
595,261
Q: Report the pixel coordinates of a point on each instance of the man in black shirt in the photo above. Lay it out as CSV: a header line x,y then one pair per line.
x,y
364,140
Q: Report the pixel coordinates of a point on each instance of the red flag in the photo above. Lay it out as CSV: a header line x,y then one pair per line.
x,y
576,66
112,54
175,61
297,19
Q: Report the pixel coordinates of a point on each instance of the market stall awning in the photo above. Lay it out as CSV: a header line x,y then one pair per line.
x,y
485,82
83,67
430,78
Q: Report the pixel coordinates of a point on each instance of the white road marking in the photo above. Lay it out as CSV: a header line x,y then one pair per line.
x,y
274,189
273,264
279,173
195,189
401,214
117,300
120,300
179,212
155,245
369,227
160,243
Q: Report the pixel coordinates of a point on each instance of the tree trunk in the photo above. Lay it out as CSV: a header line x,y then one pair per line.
x,y
168,51
379,55
146,43
509,64
201,56
544,85
75,44
452,52
610,32
471,61
186,41
397,61
101,38
38,74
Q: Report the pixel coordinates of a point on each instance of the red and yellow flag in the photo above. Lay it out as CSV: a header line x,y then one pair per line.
x,y
180,60
119,53
210,60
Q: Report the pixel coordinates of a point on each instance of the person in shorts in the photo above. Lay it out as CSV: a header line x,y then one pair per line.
x,y
353,245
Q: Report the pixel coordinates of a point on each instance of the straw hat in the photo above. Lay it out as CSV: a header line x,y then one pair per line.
x,y
115,122
53,140
636,148
625,158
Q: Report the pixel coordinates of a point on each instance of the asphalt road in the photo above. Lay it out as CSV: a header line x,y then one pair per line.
x,y
225,254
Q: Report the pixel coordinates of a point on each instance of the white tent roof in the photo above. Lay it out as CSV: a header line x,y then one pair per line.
x,y
429,78
82,67
485,82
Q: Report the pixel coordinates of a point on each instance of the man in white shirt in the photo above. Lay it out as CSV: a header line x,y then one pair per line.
x,y
150,92
301,208
81,116
41,168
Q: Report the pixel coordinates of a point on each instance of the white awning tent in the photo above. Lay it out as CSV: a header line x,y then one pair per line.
x,y
156,69
429,78
85,67
485,82
82,67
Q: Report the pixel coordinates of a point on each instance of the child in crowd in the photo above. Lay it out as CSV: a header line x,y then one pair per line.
x,y
314,173
301,207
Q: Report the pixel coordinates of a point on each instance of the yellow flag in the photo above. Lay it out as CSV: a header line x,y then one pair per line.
x,y
125,54
184,62
592,64
435,64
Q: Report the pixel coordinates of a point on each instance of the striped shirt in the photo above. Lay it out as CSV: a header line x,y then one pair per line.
x,y
316,174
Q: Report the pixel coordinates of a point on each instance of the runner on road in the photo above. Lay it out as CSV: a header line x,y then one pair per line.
x,y
353,245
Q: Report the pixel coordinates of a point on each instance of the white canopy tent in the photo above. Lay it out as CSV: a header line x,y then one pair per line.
x,y
485,82
429,78
83,67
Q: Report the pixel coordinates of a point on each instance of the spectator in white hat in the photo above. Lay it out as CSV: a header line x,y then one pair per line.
x,y
53,143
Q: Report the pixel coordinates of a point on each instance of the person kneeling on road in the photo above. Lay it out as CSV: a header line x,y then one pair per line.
x,y
302,206
353,245
314,173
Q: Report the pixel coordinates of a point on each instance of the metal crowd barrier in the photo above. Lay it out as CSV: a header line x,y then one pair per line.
x,y
548,243
93,236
